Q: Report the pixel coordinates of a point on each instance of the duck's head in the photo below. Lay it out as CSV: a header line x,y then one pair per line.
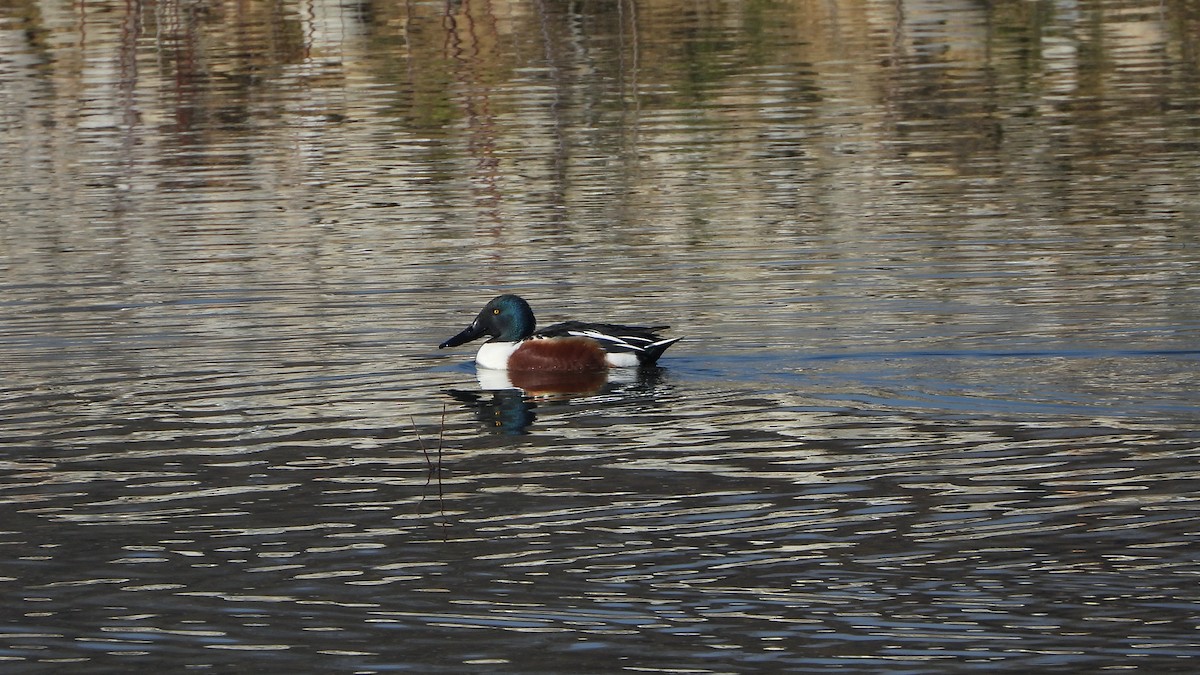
x,y
507,318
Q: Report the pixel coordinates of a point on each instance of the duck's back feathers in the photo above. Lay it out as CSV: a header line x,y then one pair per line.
x,y
626,345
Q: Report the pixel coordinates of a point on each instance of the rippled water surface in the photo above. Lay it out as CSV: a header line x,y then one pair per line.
x,y
937,266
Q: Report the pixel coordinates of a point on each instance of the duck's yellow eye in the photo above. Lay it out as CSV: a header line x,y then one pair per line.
x,y
496,311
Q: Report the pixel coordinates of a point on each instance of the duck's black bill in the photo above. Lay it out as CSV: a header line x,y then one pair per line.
x,y
469,333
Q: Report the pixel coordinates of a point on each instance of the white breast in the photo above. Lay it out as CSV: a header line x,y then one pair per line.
x,y
495,354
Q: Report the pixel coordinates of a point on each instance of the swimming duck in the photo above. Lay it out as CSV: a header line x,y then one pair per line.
x,y
574,346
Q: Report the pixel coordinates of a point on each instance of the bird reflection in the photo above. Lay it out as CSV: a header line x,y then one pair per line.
x,y
507,400
508,412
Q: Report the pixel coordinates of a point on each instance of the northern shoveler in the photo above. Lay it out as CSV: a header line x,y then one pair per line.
x,y
570,346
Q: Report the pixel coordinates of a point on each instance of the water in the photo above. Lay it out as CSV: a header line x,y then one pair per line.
x,y
935,410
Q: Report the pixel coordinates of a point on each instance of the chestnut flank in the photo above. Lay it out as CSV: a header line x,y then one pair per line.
x,y
562,354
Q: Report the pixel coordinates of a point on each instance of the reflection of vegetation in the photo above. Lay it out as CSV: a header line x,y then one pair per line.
x,y
27,15
434,54
946,80
405,41
217,54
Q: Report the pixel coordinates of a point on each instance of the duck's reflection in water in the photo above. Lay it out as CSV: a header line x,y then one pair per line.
x,y
507,399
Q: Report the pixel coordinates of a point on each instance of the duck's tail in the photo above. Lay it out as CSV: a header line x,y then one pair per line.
x,y
648,355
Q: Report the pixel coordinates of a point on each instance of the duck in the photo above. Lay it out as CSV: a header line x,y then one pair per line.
x,y
571,346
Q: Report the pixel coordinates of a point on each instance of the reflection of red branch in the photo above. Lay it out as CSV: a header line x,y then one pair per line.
x,y
82,27
131,32
127,86
558,85
464,46
179,37
632,68
628,73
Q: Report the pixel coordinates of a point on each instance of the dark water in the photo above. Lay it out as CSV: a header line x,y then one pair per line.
x,y
936,411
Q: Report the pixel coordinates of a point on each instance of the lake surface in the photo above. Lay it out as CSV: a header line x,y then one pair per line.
x,y
936,410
